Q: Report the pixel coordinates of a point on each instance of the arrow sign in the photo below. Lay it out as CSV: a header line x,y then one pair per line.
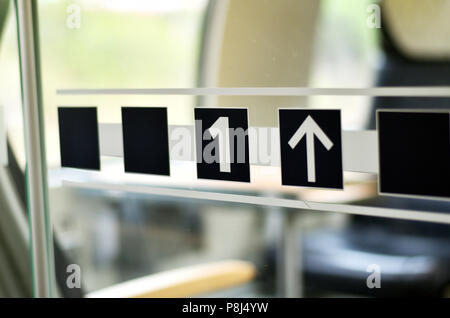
x,y
310,128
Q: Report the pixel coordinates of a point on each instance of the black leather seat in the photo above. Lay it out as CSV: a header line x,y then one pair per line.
x,y
410,265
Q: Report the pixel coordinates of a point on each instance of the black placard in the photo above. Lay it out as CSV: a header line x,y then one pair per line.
x,y
311,148
146,140
78,137
414,153
208,147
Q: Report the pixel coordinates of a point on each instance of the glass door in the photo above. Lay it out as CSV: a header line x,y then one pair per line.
x,y
235,148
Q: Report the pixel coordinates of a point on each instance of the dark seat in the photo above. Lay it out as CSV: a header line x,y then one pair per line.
x,y
410,265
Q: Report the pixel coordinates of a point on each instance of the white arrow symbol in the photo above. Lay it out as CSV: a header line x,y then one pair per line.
x,y
310,128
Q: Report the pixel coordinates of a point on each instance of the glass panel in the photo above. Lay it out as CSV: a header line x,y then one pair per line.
x,y
118,226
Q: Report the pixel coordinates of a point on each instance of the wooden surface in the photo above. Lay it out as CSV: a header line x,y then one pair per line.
x,y
184,282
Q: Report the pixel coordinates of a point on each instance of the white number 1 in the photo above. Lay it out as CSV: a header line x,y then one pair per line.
x,y
221,128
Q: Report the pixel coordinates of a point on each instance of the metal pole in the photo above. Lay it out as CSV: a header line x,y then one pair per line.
x,y
292,282
36,171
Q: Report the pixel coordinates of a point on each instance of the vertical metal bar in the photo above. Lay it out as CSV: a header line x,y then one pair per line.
x,y
282,230
289,257
36,171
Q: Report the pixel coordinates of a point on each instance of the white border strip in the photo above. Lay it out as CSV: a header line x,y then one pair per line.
x,y
359,148
277,202
443,91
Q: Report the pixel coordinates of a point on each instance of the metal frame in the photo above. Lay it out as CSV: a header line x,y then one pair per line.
x,y
36,171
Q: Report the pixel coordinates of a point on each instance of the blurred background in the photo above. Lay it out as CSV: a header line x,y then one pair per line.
x,y
115,236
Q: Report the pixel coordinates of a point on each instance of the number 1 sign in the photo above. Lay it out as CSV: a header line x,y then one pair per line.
x,y
222,144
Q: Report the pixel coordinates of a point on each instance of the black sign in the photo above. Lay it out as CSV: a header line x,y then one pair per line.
x,y
222,144
414,151
311,148
78,137
145,140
